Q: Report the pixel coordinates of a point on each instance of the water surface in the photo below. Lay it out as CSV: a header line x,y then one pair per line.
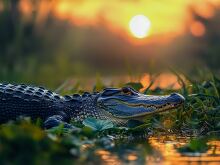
x,y
163,153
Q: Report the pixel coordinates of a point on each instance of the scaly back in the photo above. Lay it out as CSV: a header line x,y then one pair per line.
x,y
23,100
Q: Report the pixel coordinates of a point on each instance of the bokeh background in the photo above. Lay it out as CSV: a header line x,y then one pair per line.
x,y
47,42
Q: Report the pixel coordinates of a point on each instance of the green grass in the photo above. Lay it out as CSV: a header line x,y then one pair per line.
x,y
25,141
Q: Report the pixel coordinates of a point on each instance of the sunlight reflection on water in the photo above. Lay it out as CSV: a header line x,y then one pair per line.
x,y
165,154
166,146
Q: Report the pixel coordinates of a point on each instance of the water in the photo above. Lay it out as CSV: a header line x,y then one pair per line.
x,y
169,155
163,153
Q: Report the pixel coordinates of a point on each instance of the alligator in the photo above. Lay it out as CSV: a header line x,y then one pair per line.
x,y
115,104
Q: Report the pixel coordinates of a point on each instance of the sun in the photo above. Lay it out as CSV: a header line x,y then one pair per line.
x,y
140,26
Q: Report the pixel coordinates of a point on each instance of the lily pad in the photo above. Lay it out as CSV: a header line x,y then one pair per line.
x,y
98,125
195,146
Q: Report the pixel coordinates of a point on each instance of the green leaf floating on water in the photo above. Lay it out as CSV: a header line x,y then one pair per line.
x,y
98,125
195,145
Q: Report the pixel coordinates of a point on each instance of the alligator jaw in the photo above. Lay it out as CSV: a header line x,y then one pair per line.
x,y
153,111
139,105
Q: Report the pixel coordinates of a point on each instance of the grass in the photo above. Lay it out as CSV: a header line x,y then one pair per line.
x,y
25,141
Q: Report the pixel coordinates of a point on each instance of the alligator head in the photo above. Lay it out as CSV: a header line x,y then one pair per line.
x,y
127,103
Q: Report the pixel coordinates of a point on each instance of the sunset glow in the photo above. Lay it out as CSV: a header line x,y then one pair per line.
x,y
140,26
157,22
167,20
197,29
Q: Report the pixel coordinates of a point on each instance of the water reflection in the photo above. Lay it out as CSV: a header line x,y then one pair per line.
x,y
164,153
108,158
169,155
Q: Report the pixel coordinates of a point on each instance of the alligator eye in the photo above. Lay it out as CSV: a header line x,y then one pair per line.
x,y
126,91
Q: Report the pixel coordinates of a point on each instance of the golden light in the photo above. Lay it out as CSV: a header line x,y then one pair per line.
x,y
140,26
197,29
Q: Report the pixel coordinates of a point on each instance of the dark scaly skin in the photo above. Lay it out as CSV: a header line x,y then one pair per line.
x,y
117,105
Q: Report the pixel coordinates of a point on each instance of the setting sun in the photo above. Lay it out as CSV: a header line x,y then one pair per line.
x,y
140,26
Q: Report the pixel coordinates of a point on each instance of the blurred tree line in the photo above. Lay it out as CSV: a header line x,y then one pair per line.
x,y
25,49
50,52
195,53
54,50
209,44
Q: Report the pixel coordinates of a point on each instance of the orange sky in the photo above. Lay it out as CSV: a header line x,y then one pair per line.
x,y
168,17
